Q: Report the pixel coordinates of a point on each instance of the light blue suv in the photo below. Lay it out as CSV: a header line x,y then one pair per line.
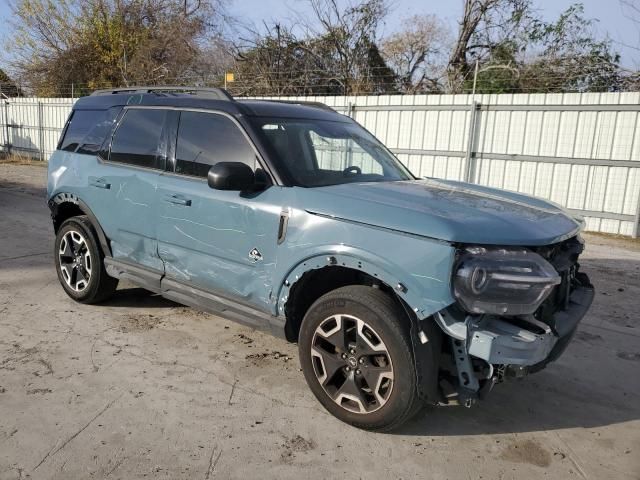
x,y
292,218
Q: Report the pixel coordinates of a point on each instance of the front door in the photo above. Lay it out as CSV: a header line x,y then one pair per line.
x,y
223,242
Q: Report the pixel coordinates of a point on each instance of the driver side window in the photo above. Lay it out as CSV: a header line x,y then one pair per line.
x,y
337,154
205,139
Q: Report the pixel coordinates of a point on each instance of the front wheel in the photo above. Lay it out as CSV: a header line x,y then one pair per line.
x,y
356,356
79,262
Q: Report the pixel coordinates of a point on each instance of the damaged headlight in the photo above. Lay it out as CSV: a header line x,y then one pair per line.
x,y
503,281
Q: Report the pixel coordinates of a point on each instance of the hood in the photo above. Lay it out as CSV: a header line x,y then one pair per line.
x,y
445,210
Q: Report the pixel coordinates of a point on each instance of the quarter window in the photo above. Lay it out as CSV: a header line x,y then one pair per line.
x,y
205,139
87,130
139,139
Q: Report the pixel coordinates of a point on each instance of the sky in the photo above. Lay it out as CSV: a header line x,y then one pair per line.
x,y
612,17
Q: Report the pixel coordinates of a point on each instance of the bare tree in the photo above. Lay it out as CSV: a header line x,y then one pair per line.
x,y
418,53
332,52
345,37
485,25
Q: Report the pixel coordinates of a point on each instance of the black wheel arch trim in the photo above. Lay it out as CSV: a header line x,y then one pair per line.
x,y
59,199
426,355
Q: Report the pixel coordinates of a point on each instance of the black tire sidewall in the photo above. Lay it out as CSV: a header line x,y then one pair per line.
x,y
386,322
80,225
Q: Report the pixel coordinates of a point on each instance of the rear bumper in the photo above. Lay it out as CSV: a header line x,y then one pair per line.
x,y
527,344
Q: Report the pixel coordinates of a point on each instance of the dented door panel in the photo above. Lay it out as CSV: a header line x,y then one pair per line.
x,y
123,198
223,241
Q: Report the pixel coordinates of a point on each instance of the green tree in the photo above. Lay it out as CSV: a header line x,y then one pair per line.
x,y
8,87
98,43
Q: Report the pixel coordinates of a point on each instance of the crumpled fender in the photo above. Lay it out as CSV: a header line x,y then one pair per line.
x,y
414,289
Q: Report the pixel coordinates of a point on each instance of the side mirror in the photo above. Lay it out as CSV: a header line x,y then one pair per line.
x,y
231,176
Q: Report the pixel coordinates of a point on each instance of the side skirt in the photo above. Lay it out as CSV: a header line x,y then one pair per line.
x,y
186,294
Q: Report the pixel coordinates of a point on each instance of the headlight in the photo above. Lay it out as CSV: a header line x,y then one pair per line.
x,y
503,281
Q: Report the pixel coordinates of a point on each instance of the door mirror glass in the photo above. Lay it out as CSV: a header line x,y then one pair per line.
x,y
231,176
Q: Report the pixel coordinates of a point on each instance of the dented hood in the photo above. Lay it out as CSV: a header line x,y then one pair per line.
x,y
445,210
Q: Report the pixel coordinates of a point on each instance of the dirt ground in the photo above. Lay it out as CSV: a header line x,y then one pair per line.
x,y
143,388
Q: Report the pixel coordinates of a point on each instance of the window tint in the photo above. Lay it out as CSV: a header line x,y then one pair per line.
x,y
337,154
314,153
139,139
82,122
205,139
96,136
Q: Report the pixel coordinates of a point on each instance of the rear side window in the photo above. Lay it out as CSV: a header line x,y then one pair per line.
x,y
87,129
139,139
205,139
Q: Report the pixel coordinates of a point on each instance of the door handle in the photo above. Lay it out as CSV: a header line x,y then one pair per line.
x,y
100,183
178,200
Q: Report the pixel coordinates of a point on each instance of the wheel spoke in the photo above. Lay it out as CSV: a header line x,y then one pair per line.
x,y
349,390
334,333
66,261
331,363
373,374
81,274
367,342
66,249
338,340
73,277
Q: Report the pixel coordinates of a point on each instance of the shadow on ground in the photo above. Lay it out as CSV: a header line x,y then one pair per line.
x,y
138,298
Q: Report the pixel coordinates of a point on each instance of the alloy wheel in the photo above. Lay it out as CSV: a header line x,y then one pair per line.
x,y
75,260
352,363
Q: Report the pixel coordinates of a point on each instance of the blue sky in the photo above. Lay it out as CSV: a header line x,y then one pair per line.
x,y
610,14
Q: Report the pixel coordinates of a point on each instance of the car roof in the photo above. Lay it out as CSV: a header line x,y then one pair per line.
x,y
254,108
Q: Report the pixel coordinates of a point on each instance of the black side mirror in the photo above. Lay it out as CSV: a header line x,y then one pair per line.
x,y
231,176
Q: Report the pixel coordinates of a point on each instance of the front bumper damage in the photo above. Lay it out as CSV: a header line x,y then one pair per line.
x,y
485,348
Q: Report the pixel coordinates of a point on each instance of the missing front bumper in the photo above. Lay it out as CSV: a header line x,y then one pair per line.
x,y
526,342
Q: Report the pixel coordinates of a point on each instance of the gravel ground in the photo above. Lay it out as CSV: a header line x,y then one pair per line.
x,y
142,387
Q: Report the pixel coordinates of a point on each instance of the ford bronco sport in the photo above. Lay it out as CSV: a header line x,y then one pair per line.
x,y
292,218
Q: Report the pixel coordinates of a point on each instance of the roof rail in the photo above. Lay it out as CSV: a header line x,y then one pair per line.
x,y
215,93
321,105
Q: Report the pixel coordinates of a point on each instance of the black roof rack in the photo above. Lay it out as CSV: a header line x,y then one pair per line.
x,y
321,105
214,93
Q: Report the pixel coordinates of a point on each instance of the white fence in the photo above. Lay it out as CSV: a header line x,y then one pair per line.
x,y
579,150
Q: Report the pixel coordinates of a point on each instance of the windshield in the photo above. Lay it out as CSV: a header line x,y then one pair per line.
x,y
315,153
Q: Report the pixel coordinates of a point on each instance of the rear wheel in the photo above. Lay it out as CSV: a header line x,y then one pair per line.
x,y
357,358
79,262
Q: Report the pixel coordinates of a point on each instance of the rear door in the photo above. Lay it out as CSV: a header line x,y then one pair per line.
x,y
220,241
127,182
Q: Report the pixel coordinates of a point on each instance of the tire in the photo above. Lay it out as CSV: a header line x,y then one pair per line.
x,y
80,262
377,330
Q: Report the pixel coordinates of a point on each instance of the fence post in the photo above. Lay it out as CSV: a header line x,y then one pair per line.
x,y
6,127
40,130
470,156
635,231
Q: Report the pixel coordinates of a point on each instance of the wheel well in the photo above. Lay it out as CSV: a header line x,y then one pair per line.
x,y
63,211
315,283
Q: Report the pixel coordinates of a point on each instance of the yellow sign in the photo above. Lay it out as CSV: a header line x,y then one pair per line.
x,y
229,77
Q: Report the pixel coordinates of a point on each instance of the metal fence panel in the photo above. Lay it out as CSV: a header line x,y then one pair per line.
x,y
579,150
33,125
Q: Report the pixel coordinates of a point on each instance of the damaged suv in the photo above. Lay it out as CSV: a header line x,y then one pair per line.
x,y
292,218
